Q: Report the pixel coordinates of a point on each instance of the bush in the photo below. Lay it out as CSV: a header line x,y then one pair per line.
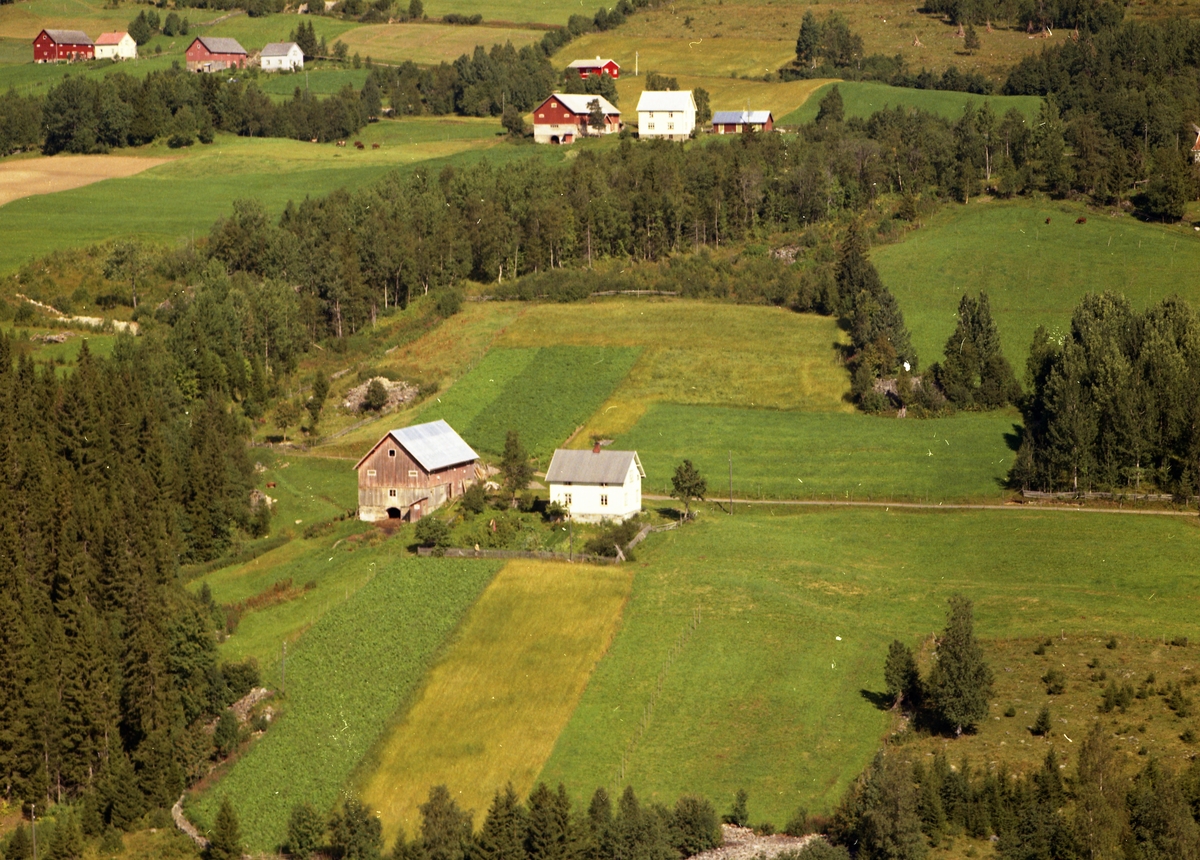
x,y
611,536
819,849
1111,644
694,825
240,678
1041,726
798,824
1010,712
433,532
474,499
377,396
178,141
448,302
25,314
1055,681
738,815
225,738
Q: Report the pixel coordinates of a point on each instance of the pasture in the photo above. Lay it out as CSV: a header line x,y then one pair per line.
x,y
346,678
769,691
491,710
1034,273
429,43
861,99
826,455
543,394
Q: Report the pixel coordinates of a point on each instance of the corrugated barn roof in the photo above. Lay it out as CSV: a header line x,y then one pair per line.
x,y
221,45
434,445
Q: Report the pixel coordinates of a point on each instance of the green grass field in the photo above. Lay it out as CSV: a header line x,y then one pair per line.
x,y
492,709
321,81
863,99
825,455
543,394
431,43
1034,273
765,696
346,678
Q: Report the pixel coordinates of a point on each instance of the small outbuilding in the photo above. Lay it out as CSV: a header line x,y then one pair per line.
x,y
563,117
599,66
215,54
281,57
116,46
63,46
413,471
598,484
737,121
670,114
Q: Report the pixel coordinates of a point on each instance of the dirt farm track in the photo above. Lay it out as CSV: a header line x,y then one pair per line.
x,y
26,177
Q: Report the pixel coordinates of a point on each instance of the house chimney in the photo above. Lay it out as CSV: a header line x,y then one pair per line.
x,y
596,448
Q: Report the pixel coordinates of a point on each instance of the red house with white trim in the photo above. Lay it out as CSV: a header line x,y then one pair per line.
x,y
565,116
57,46
597,67
214,54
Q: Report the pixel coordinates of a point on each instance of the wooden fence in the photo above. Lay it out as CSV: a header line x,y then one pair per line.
x,y
1130,497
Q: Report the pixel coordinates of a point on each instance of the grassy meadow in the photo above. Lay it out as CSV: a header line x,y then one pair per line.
x,y
492,708
430,43
346,678
769,692
862,98
1034,273
826,455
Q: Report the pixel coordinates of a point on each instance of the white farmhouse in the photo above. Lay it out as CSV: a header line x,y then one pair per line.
x,y
596,485
666,114
281,57
116,46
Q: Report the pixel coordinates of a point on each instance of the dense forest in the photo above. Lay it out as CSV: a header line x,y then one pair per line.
x,y
110,476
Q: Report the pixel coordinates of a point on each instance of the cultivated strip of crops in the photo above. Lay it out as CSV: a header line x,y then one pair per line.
x,y
345,679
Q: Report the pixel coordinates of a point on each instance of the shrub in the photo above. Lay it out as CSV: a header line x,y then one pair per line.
x,y
1180,641
798,824
1188,736
1041,726
433,532
448,302
306,831
240,678
225,738
738,814
1111,644
611,536
25,314
694,826
1116,697
377,396
819,849
475,499
1011,711
1055,681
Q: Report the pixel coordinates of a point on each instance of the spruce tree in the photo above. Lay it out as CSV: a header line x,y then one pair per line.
x,y
960,682
306,831
809,40
515,468
890,824
900,675
502,836
548,834
975,373
226,840
445,827
20,846
355,833
1099,813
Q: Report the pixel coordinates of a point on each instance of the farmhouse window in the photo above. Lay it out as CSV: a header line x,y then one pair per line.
x,y
650,126
412,473
604,500
391,494
670,126
567,498
391,452
370,473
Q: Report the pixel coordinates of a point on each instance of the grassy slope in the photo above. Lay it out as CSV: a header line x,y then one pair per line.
x,y
492,709
863,99
1034,273
271,170
764,696
430,43
345,680
806,455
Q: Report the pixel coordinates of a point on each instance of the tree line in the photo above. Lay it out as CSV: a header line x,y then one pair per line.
x,y
109,477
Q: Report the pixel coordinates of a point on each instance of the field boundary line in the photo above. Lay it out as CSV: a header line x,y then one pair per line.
x,y
940,506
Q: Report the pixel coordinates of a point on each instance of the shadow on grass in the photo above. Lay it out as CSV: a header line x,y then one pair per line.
x,y
882,701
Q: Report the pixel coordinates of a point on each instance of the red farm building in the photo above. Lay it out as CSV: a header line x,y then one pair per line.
x,y
564,117
597,67
58,46
214,54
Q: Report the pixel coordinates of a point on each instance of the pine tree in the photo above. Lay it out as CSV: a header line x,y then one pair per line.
x,y
1099,814
226,840
445,828
515,468
548,833
809,40
305,832
502,836
960,683
900,675
891,826
355,833
598,832
975,373
66,842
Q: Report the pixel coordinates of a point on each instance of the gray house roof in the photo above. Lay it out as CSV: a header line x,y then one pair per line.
x,y
740,117
221,45
591,467
277,49
69,37
434,445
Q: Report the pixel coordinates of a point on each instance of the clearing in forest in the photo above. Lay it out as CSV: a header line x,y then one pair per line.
x,y
492,709
27,177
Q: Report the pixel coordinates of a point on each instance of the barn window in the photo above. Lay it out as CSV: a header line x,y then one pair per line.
x,y
541,116
391,494
412,473
604,500
553,104
391,452
370,473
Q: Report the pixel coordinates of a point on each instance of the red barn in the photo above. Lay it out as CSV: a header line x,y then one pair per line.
x,y
736,121
565,116
412,471
53,46
212,54
597,67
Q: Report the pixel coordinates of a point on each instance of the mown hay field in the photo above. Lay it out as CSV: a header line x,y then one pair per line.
x,y
543,393
492,708
346,678
1034,273
431,43
861,99
826,455
797,610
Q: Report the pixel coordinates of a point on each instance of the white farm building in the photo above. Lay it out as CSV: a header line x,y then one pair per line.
x,y
666,113
116,46
281,57
596,485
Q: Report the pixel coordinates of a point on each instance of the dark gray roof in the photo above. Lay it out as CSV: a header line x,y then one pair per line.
x,y
590,467
69,37
434,445
221,45
277,49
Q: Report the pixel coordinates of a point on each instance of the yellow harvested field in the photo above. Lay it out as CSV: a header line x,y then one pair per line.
x,y
26,177
698,56
493,708
430,43
696,352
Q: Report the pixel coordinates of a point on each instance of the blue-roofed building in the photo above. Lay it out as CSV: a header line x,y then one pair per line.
x,y
412,471
736,121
